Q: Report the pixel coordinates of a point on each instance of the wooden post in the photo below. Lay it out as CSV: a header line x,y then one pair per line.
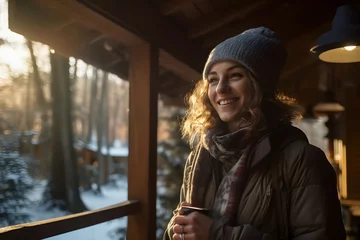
x,y
143,74
350,164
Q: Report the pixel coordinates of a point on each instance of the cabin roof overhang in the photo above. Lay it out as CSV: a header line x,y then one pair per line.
x,y
100,32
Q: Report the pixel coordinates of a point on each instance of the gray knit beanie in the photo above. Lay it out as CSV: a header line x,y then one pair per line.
x,y
257,49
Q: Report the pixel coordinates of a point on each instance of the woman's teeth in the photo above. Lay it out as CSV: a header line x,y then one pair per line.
x,y
226,102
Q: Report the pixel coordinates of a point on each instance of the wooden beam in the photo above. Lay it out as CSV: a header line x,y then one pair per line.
x,y
303,62
93,20
143,140
152,27
56,226
214,21
24,19
180,68
170,7
288,20
302,84
171,101
27,18
349,84
109,27
263,17
299,55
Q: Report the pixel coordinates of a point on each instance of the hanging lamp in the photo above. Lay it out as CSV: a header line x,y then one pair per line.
x,y
342,43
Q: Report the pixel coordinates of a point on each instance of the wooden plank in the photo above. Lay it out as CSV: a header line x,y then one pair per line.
x,y
27,18
180,68
351,163
191,12
77,39
214,21
350,202
93,20
288,20
299,55
142,165
152,27
172,6
55,226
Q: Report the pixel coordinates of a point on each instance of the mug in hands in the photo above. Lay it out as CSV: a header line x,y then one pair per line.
x,y
188,209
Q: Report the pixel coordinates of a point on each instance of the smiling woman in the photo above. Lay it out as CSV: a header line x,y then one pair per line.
x,y
258,175
229,91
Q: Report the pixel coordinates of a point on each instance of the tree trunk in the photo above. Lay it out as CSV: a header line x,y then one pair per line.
x,y
44,135
41,102
28,106
106,130
76,114
84,106
116,110
55,193
100,126
92,109
63,183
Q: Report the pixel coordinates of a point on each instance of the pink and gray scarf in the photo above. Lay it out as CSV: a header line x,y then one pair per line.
x,y
232,150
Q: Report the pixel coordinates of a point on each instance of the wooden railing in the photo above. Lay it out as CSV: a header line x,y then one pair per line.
x,y
55,226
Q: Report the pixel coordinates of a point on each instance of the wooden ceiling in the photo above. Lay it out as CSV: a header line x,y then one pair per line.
x,y
184,30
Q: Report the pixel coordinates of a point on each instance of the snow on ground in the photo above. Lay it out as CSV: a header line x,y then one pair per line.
x,y
103,231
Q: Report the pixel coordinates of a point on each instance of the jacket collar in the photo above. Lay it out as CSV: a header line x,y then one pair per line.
x,y
260,151
276,139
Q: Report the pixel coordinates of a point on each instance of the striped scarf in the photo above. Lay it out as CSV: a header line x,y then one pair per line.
x,y
232,150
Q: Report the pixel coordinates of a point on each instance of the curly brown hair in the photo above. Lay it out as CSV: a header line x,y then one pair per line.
x,y
261,111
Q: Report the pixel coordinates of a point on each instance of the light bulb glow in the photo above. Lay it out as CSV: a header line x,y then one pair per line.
x,y
349,48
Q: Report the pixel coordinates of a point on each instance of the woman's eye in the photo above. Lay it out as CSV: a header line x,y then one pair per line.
x,y
211,80
236,75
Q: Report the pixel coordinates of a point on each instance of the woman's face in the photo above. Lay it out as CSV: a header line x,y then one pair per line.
x,y
229,91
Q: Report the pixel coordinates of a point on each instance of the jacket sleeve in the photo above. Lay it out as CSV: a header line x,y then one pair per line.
x,y
168,232
315,211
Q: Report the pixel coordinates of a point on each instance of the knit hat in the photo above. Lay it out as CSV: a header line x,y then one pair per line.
x,y
257,49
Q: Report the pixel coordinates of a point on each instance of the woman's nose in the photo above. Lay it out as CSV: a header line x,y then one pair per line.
x,y
222,87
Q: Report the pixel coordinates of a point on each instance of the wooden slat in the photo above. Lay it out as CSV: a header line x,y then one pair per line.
x,y
352,128
299,56
56,226
172,6
213,21
182,69
152,27
191,12
350,202
27,18
91,19
288,20
143,139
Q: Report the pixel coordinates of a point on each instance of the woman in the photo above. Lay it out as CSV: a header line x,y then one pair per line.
x,y
259,175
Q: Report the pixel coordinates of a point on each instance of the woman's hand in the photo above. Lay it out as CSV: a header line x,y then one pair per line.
x,y
181,212
194,226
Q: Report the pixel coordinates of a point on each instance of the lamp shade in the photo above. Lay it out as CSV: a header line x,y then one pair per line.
x,y
342,43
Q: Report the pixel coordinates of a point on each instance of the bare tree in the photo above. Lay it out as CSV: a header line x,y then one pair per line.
x,y
63,163
100,127
40,96
93,96
42,106
84,104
